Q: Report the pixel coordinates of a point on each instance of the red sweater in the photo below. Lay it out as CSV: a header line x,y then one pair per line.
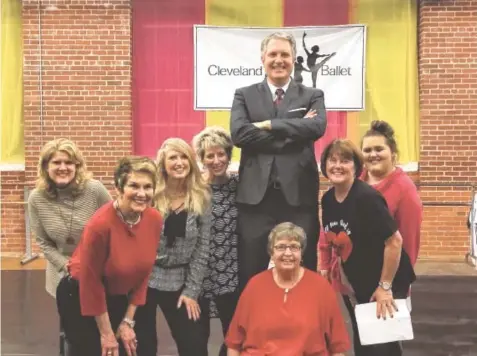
x,y
113,259
309,323
405,206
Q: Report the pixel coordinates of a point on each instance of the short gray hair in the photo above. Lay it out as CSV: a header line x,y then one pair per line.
x,y
212,136
279,36
286,230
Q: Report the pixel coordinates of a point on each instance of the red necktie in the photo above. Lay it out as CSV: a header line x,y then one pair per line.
x,y
280,94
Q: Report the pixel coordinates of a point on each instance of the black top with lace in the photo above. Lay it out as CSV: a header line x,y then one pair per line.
x,y
223,265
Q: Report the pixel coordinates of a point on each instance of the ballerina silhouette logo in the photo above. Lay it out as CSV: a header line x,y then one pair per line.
x,y
311,62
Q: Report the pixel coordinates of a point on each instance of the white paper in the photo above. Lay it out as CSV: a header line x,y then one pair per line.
x,y
377,331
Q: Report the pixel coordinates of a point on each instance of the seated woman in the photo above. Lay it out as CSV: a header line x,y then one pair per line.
x,y
214,147
110,269
176,281
287,310
359,227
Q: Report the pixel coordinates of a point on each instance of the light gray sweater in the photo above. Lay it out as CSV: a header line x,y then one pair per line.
x,y
58,224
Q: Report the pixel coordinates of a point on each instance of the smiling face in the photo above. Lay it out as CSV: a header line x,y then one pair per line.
x,y
216,161
176,164
61,169
277,60
340,170
378,157
137,193
286,254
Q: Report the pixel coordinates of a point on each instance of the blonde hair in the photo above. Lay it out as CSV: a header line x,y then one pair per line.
x,y
134,164
45,183
278,36
213,136
197,198
286,230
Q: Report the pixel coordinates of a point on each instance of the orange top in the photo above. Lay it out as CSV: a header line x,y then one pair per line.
x,y
307,322
114,259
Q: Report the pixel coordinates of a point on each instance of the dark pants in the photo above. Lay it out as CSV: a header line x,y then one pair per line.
x,y
255,223
226,304
190,336
388,349
81,331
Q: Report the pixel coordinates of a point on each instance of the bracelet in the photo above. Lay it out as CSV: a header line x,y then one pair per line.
x,y
129,322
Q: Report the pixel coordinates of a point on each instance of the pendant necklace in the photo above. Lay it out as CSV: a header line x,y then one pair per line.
x,y
69,239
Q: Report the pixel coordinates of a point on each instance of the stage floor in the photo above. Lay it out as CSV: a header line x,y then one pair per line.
x,y
444,316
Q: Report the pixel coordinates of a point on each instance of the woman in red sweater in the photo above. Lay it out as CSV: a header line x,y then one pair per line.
x,y
380,153
109,271
287,310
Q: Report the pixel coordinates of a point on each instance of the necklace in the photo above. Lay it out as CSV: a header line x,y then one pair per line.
x,y
69,239
124,219
287,290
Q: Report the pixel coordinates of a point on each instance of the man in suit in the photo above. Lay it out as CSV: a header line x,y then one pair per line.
x,y
276,123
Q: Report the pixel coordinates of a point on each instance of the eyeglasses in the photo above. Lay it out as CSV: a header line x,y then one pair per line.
x,y
283,248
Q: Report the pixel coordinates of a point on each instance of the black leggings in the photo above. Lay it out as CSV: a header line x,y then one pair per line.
x,y
226,305
81,331
191,336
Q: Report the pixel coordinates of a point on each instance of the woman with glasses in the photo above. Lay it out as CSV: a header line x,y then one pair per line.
x,y
287,310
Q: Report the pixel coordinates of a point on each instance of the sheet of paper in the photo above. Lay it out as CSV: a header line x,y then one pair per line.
x,y
377,331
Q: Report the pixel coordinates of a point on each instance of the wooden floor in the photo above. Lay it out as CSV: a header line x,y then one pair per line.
x,y
444,313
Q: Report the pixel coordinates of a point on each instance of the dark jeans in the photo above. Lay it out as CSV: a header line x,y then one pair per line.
x,y
226,305
255,223
190,336
387,349
81,331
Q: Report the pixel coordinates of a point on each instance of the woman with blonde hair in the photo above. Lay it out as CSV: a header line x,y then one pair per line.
x,y
213,147
183,198
59,207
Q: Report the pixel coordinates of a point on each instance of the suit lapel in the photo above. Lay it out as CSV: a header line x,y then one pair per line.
x,y
290,96
266,98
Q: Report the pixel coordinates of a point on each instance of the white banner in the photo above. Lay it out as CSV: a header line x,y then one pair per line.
x,y
331,58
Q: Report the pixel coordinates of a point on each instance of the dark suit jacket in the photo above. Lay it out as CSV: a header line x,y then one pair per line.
x,y
289,143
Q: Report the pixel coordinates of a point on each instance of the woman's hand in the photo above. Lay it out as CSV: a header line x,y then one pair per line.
x,y
193,309
325,274
128,338
384,302
109,345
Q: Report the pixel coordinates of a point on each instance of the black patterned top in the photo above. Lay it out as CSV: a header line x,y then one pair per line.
x,y
223,264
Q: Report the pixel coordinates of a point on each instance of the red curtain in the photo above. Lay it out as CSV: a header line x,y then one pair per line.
x,y
163,72
320,13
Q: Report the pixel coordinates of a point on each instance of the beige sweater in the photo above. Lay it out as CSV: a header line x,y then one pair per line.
x,y
58,224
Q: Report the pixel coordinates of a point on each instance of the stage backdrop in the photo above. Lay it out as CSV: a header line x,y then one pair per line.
x,y
330,58
163,64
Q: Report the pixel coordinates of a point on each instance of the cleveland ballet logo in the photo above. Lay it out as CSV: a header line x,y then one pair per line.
x,y
316,62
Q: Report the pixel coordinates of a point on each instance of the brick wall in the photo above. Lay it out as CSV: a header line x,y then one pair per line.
x,y
12,211
86,79
448,104
86,86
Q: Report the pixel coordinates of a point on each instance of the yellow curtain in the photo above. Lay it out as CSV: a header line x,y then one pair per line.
x,y
11,104
392,92
267,13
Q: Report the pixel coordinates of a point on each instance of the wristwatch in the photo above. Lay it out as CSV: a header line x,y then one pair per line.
x,y
129,322
385,285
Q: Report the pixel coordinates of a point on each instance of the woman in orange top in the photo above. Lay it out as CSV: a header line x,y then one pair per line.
x,y
287,310
110,269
